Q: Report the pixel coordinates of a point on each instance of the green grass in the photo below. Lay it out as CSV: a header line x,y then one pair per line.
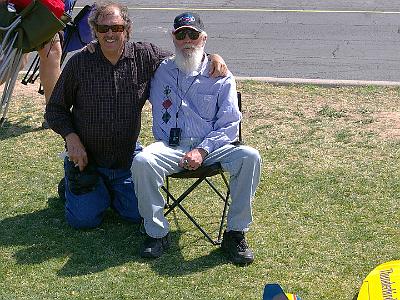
x,y
325,214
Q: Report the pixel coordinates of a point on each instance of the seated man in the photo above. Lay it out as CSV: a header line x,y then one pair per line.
x,y
203,114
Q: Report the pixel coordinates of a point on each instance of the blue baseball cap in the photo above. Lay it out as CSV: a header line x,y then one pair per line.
x,y
188,20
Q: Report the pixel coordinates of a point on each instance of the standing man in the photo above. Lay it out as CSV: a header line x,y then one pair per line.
x,y
202,114
96,107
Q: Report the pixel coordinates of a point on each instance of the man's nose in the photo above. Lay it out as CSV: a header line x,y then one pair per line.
x,y
109,32
187,38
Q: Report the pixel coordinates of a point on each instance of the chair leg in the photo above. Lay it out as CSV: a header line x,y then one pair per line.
x,y
214,242
28,76
167,184
181,197
221,225
215,189
177,203
226,204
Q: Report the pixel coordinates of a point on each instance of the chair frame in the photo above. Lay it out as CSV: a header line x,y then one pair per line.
x,y
204,173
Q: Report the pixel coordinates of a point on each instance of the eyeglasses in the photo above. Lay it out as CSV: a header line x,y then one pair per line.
x,y
105,28
181,34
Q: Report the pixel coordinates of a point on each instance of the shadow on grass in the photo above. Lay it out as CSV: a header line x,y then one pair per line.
x,y
44,235
9,130
172,263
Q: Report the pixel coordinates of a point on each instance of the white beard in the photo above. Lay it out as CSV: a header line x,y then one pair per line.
x,y
189,62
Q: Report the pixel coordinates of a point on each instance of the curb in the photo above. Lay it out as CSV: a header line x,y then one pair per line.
x,y
321,82
304,81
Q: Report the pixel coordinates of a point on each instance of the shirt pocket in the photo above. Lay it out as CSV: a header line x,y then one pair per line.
x,y
206,106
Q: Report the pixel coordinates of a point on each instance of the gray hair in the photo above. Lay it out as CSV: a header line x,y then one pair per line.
x,y
100,8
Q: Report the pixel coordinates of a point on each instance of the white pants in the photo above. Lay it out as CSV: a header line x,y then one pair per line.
x,y
155,162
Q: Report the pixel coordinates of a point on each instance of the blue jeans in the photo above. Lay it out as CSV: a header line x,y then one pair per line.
x,y
114,189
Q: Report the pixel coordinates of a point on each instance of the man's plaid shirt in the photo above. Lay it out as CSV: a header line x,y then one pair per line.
x,y
102,103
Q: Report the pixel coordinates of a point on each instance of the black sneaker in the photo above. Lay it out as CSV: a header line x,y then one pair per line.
x,y
61,189
45,125
235,247
153,248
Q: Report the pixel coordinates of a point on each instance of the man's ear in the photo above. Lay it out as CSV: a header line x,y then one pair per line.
x,y
204,37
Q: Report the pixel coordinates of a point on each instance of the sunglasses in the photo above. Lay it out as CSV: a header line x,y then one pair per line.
x,y
181,34
106,28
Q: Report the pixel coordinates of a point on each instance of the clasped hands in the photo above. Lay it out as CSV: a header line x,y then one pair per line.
x,y
193,159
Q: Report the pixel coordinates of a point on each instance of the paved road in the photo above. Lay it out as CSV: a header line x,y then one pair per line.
x,y
342,39
375,5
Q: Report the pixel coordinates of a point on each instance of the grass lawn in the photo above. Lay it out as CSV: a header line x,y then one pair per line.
x,y
325,214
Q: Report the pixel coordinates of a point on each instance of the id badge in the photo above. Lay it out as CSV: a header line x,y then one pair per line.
x,y
174,137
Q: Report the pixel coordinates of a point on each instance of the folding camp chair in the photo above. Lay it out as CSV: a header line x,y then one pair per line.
x,y
77,34
20,33
202,174
10,62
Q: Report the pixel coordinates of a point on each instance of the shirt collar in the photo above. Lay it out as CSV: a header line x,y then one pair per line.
x,y
129,51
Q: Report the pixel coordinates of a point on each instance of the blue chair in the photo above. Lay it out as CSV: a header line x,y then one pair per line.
x,y
77,33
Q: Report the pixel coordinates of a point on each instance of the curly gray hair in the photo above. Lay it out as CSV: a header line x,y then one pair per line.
x,y
99,9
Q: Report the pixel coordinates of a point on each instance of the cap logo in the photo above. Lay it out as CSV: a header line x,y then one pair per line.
x,y
187,19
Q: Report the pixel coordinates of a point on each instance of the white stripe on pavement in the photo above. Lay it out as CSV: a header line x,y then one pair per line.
x,y
263,10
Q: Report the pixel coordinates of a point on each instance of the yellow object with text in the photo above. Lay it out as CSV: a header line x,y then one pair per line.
x,y
383,283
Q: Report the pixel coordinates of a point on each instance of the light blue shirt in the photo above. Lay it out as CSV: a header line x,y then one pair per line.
x,y
205,108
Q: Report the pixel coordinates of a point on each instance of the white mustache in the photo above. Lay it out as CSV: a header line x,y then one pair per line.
x,y
187,46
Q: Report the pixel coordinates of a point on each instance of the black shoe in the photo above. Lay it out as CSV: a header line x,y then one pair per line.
x,y
61,189
235,246
153,248
45,125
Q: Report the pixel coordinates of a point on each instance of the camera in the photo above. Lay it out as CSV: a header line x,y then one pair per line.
x,y
174,137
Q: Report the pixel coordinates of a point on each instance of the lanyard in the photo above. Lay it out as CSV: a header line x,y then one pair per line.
x,y
179,92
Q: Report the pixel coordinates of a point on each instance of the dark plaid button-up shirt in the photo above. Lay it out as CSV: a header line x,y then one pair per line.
x,y
102,102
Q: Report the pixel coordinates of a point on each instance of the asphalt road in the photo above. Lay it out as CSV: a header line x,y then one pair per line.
x,y
350,40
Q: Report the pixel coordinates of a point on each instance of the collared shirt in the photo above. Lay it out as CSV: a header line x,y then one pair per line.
x,y
205,108
102,102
